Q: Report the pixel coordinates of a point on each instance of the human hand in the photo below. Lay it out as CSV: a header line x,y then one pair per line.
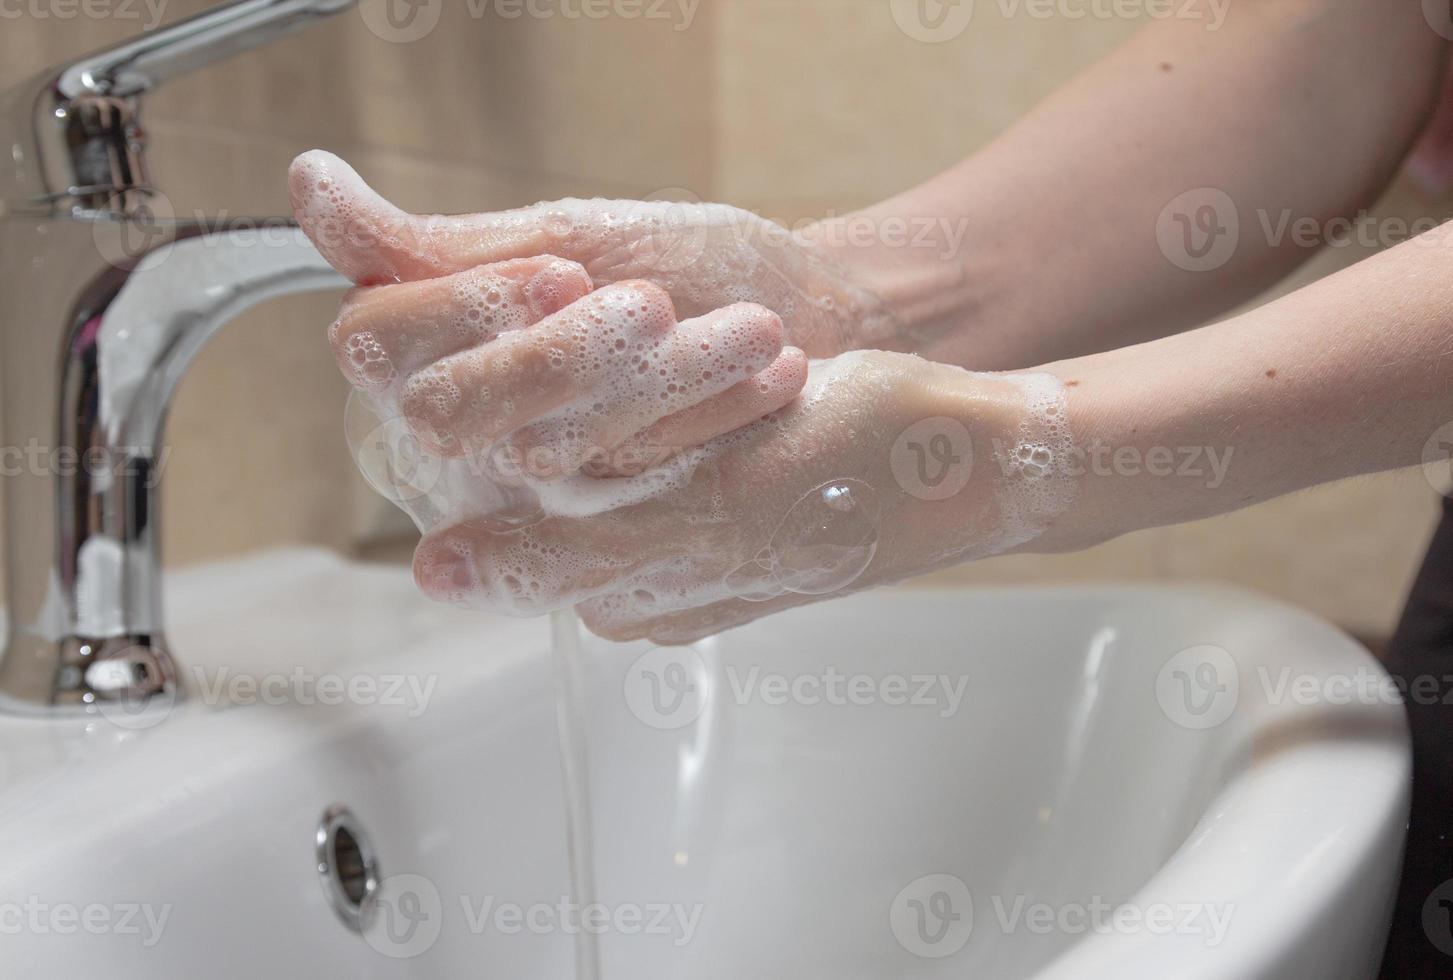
x,y
822,497
705,256
761,501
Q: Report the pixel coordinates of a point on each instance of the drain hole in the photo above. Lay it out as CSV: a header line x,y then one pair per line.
x,y
348,862
348,867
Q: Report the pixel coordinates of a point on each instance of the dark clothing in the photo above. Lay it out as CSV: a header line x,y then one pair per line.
x,y
1423,646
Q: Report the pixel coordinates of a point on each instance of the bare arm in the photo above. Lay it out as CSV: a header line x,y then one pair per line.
x,y
1350,375
1299,107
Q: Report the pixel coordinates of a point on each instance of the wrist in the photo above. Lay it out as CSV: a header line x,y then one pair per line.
x,y
909,272
983,458
1126,453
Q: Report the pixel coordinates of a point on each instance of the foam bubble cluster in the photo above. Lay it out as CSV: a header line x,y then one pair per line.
x,y
1036,485
497,398
527,571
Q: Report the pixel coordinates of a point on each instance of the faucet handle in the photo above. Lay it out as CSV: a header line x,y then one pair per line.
x,y
138,66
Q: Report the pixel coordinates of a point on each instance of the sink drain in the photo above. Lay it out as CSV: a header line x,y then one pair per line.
x,y
348,867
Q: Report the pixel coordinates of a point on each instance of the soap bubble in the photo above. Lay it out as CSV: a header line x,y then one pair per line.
x,y
828,538
825,542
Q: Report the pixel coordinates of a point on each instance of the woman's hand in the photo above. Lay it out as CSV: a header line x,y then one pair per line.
x,y
521,368
887,466
682,485
706,256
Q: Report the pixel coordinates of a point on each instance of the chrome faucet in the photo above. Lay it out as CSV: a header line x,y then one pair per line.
x,y
103,305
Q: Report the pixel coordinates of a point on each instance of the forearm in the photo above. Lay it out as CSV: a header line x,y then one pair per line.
x,y
1350,375
1298,107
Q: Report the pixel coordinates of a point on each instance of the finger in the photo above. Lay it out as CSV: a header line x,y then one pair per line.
x,y
372,242
466,402
623,616
691,366
385,333
742,404
553,564
587,377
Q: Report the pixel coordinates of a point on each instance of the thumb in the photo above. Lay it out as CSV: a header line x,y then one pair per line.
x,y
373,242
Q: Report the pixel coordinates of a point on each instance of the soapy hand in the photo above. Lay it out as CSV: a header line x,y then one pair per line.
x,y
705,256
750,499
820,498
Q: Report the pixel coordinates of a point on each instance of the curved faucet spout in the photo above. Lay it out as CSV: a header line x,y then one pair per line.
x,y
91,352
82,571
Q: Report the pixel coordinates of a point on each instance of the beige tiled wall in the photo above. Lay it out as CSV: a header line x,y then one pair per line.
x,y
792,107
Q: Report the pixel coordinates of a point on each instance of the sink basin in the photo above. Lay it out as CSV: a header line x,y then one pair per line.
x,y
1060,784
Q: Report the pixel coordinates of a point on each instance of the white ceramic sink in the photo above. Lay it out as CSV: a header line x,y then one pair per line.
x,y
755,817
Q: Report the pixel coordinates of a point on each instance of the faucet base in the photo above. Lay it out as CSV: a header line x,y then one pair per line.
x,y
86,674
